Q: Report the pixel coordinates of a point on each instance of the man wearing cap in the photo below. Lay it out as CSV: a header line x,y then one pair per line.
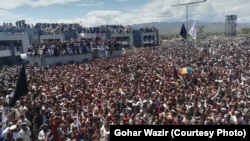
x,y
23,120
43,132
24,133
12,128
14,131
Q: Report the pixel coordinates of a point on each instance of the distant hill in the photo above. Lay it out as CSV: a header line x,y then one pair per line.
x,y
169,28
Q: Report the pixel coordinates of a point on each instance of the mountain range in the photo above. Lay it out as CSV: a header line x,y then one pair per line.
x,y
170,28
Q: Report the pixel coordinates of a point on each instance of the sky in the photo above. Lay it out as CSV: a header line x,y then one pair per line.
x,y
125,12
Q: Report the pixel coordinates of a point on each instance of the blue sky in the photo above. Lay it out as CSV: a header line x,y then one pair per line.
x,y
125,12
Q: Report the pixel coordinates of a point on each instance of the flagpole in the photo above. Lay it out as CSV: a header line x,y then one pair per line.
x,y
187,36
196,38
187,4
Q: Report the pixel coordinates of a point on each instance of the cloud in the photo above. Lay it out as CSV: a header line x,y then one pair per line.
x,y
162,10
211,10
12,4
153,11
37,3
90,4
8,16
102,17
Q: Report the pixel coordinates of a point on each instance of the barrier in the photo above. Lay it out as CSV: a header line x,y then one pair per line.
x,y
69,59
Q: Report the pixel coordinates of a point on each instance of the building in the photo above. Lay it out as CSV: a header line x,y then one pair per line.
x,y
52,37
11,46
15,40
230,25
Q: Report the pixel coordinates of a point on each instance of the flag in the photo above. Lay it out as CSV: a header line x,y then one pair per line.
x,y
21,87
192,31
183,32
176,74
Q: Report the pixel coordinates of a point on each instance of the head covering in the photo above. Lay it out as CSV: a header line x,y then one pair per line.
x,y
24,123
43,125
13,127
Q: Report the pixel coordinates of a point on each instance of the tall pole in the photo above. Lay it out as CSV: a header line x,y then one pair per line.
x,y
186,36
187,4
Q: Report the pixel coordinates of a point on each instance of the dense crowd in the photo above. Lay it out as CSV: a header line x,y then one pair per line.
x,y
72,47
58,28
142,87
46,28
148,29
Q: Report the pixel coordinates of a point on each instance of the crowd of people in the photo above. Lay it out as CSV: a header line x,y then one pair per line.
x,y
59,28
10,28
48,28
72,47
148,29
141,87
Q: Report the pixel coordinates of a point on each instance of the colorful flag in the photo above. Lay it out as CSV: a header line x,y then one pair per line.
x,y
21,87
183,32
192,31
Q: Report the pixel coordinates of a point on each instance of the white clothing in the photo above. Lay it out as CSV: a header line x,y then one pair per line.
x,y
41,135
5,131
104,133
25,135
15,135
20,121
